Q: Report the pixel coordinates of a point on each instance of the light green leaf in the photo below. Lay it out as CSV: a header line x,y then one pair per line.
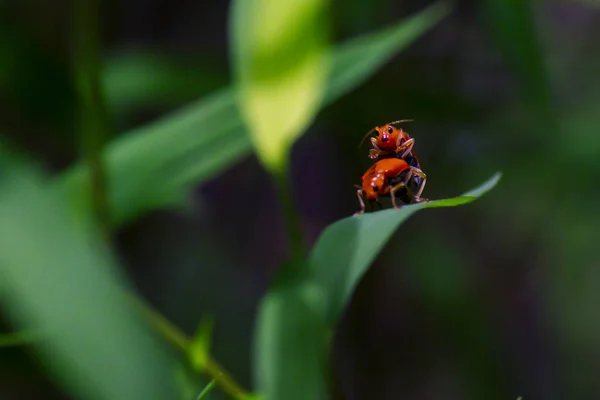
x,y
346,249
280,57
58,279
154,166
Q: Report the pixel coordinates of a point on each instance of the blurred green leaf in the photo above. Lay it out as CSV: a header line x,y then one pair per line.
x,y
290,342
280,56
154,166
346,249
134,80
58,279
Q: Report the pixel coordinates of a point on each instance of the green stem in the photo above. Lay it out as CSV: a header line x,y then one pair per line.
x,y
292,221
176,337
207,389
93,112
169,331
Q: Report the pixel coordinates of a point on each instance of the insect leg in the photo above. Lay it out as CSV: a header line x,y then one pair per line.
x,y
405,147
399,186
362,203
422,175
375,151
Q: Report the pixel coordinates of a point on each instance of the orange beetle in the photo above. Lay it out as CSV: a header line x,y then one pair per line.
x,y
390,141
388,177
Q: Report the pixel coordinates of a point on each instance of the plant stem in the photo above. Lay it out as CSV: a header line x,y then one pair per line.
x,y
176,337
207,389
93,112
292,222
169,331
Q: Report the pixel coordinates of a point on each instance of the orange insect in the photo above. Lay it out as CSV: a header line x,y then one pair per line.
x,y
389,177
390,141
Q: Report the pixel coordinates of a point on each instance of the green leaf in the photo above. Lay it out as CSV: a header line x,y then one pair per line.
x,y
290,343
154,166
280,56
346,249
133,80
59,279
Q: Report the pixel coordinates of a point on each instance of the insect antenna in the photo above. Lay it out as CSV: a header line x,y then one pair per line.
x,y
400,121
364,137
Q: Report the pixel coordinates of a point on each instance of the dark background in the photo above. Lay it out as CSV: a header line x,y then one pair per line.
x,y
494,300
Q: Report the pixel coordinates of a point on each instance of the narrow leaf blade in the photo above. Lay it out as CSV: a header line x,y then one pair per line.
x,y
345,250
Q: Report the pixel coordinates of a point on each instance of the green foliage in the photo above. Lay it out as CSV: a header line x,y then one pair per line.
x,y
64,283
135,80
60,280
302,308
346,248
290,341
281,68
154,166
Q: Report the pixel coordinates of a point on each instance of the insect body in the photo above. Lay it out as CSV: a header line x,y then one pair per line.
x,y
388,177
390,141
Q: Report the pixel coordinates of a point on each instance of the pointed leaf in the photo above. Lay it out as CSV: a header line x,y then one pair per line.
x,y
346,249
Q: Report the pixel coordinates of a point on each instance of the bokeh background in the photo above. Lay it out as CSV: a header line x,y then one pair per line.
x,y
493,300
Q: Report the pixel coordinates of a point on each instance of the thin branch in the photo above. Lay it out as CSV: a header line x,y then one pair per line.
x,y
292,220
176,337
93,125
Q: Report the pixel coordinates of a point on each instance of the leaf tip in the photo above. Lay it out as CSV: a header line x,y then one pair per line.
x,y
484,187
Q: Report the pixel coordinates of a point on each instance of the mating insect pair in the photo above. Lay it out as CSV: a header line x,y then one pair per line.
x,y
397,173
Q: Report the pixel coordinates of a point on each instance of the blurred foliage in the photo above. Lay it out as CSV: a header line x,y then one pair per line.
x,y
491,301
60,280
281,69
154,166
